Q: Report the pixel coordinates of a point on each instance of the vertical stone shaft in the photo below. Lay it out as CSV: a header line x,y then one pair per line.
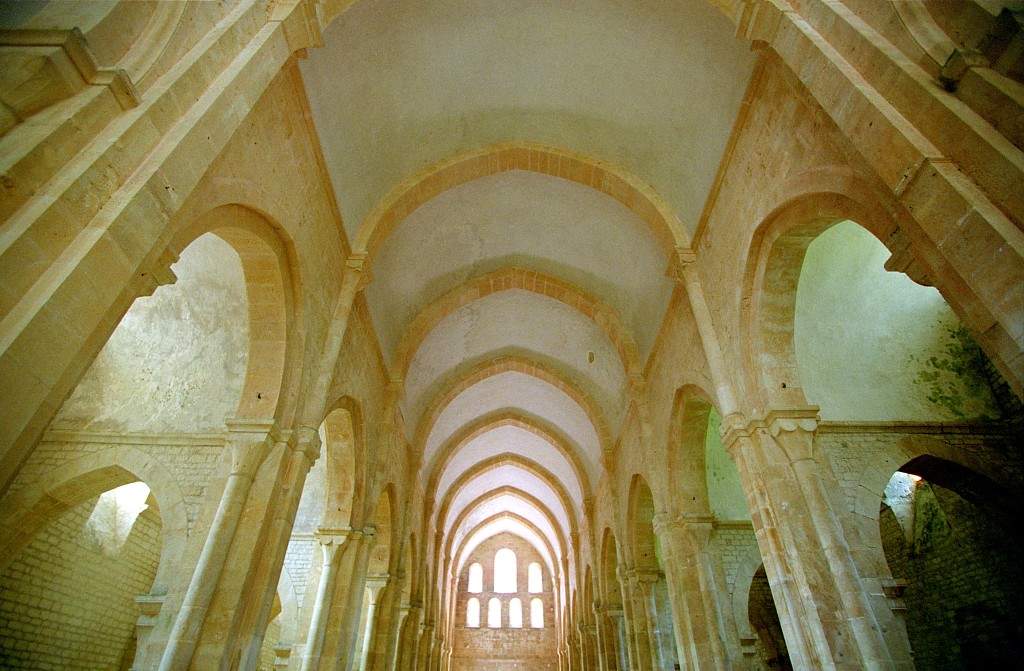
x,y
248,447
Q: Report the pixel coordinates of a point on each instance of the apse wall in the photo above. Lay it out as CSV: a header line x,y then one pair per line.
x,y
504,648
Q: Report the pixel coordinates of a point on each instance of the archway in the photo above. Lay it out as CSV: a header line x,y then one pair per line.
x,y
770,644
952,551
829,324
370,653
611,620
93,567
653,611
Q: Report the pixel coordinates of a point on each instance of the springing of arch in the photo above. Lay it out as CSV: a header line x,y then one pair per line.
x,y
272,293
506,279
506,567
449,173
508,417
474,372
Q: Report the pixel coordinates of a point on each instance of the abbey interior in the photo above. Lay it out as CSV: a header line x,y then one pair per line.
x,y
520,335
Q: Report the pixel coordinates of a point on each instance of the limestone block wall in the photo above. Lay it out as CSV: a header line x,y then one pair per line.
x,y
962,570
191,459
66,604
486,649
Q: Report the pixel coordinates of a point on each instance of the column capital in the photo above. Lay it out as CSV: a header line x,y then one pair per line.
x,y
667,522
793,429
375,583
250,441
159,274
306,439
336,535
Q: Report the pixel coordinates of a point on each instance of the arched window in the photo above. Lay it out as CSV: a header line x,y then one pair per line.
x,y
473,613
515,614
536,613
494,613
534,581
476,578
505,571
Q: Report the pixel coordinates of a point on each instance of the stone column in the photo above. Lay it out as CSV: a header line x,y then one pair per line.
x,y
606,639
636,618
700,628
821,602
644,581
794,430
350,600
424,651
353,279
375,586
249,443
330,541
627,620
617,618
406,643
149,610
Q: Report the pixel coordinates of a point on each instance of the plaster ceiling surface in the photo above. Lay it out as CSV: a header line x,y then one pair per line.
x,y
402,84
512,475
512,440
507,503
519,321
498,526
526,220
527,394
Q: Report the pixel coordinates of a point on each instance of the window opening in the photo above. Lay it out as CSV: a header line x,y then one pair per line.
x,y
505,571
476,578
534,581
515,614
473,613
494,613
536,613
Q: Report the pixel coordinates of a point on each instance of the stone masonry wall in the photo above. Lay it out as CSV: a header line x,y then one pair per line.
x,y
486,649
964,582
65,605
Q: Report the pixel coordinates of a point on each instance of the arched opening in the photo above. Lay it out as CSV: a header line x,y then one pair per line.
x,y
954,558
372,624
82,575
494,613
652,585
533,578
536,613
838,329
473,613
770,645
505,571
515,613
616,640
476,578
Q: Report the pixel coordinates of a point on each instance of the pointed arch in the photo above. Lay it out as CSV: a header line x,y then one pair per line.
x,y
603,176
509,278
